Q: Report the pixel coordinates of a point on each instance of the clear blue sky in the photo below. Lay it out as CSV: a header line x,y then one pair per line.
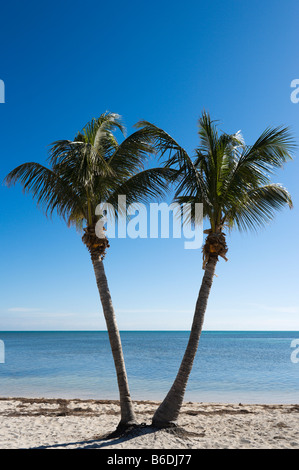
x,y
64,63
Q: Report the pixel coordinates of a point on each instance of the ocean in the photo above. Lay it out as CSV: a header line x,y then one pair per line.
x,y
230,366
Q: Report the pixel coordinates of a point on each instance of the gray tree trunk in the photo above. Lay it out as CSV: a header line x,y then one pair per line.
x,y
126,406
168,411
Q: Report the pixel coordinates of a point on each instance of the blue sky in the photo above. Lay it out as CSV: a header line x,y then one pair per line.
x,y
64,63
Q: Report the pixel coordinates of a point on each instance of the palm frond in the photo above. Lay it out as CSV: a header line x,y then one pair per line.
x,y
177,159
270,151
77,161
208,134
147,185
48,190
97,129
130,155
256,208
161,141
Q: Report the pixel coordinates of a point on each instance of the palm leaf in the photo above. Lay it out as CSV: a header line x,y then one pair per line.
x,y
257,207
147,185
47,188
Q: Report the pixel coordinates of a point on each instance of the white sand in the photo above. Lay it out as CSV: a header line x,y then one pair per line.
x,y
67,424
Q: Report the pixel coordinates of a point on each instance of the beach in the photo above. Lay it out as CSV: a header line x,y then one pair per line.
x,y
43,423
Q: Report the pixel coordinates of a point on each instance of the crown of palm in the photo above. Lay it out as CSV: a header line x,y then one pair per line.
x,y
91,169
230,178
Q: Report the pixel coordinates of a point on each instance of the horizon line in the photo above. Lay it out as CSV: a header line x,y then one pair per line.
x,y
143,330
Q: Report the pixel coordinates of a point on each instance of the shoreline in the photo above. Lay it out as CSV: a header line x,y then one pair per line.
x,y
44,423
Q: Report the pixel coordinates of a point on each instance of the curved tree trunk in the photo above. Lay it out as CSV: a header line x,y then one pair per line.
x,y
168,411
126,406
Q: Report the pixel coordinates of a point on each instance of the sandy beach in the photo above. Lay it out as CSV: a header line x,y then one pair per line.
x,y
41,423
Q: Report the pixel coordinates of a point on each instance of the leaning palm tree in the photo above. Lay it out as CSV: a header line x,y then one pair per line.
x,y
83,173
232,180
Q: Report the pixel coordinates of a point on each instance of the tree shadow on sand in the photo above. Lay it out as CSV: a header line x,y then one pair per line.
x,y
123,435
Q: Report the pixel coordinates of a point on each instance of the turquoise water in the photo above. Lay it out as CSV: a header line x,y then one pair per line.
x,y
248,367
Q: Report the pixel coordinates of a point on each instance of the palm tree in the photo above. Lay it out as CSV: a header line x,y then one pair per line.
x,y
92,169
232,180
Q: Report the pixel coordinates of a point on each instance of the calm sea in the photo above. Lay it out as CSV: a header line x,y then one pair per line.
x,y
248,367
